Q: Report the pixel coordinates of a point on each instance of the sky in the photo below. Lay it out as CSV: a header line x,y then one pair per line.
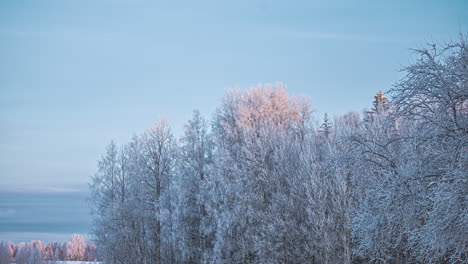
x,y
75,75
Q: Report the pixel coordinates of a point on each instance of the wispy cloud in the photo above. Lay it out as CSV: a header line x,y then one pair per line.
x,y
7,213
335,36
66,32
43,189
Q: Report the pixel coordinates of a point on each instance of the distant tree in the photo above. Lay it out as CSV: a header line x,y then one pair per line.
x,y
326,127
65,252
52,251
76,248
30,253
6,252
90,252
380,104
49,252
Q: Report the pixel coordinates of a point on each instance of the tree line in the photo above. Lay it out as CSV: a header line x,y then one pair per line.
x,y
262,181
36,252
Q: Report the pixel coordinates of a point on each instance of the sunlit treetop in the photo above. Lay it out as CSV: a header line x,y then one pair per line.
x,y
380,104
270,105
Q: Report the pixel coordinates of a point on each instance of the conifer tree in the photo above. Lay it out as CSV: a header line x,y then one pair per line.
x,y
380,104
326,126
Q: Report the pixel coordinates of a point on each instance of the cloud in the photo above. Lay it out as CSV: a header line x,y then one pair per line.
x,y
8,212
43,189
336,36
72,33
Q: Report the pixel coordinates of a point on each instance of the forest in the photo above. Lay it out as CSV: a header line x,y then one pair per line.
x,y
265,180
36,252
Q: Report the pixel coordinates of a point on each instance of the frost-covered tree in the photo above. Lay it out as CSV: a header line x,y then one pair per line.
x,y
158,147
253,130
264,184
377,232
29,253
326,127
6,252
110,203
131,199
52,251
90,252
194,221
413,194
433,96
77,248
380,104
103,201
36,252
65,252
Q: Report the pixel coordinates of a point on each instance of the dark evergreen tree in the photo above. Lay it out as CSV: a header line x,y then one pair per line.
x,y
326,126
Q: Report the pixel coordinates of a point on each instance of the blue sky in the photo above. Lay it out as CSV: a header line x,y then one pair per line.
x,y
76,74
